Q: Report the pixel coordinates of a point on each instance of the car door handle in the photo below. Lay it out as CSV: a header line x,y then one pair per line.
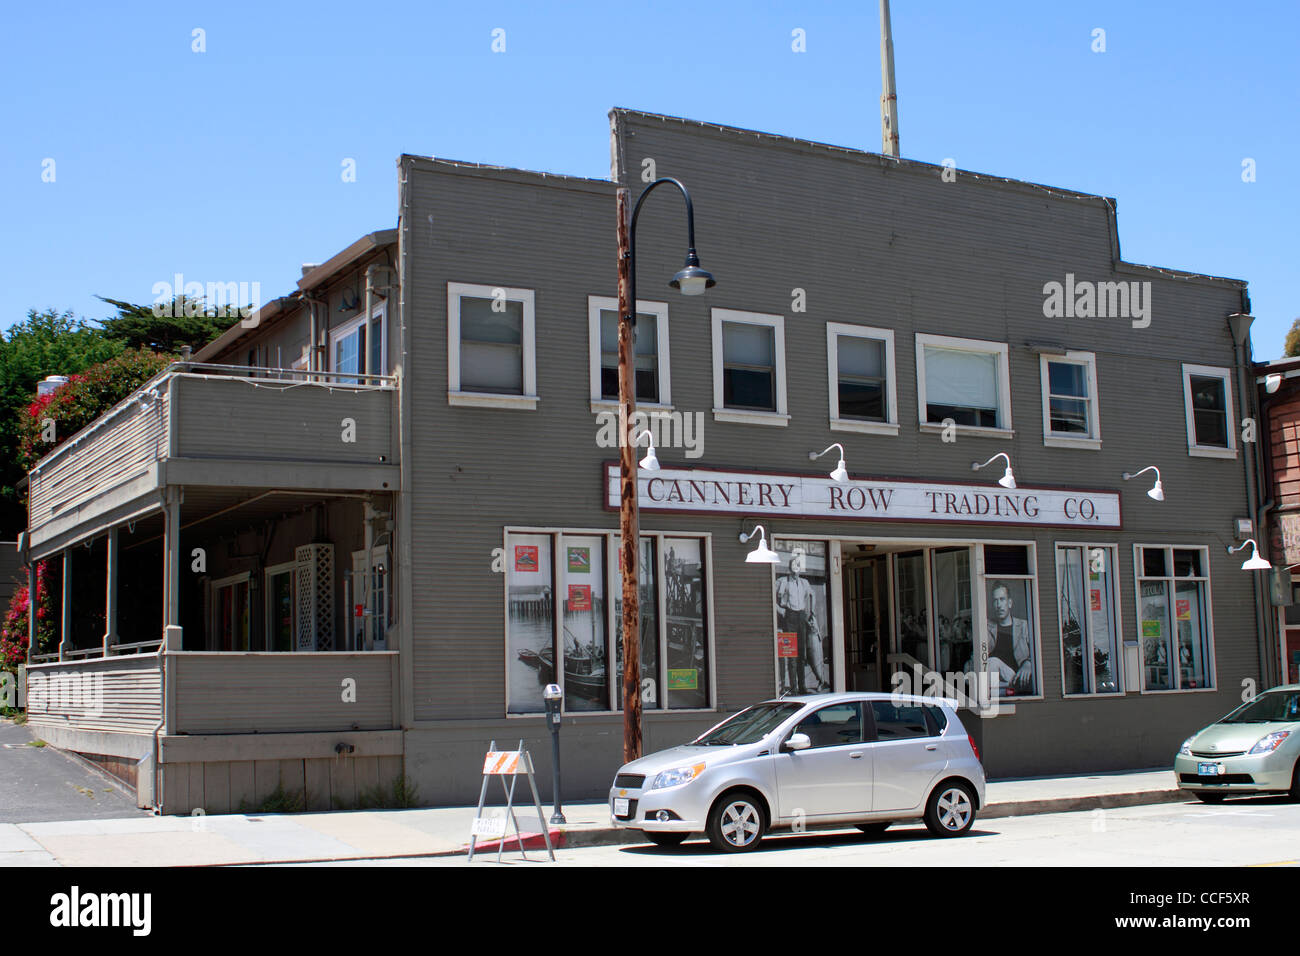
x,y
855,755
931,746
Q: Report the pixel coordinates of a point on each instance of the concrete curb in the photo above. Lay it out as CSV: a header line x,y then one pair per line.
x,y
1097,801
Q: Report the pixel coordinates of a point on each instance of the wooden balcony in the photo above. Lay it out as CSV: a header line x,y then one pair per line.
x,y
216,427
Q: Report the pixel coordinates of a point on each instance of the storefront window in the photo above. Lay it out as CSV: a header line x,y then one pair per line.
x,y
586,677
952,609
803,633
648,605
1173,619
1011,644
687,654
913,625
530,621
1089,630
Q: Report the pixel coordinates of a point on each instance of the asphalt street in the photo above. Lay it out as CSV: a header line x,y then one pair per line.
x,y
39,784
1262,831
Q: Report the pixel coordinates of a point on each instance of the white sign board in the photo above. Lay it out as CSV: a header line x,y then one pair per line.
x,y
702,490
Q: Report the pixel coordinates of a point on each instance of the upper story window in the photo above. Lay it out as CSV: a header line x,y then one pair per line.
x,y
749,367
963,380
653,384
1207,398
491,353
349,342
860,364
1070,417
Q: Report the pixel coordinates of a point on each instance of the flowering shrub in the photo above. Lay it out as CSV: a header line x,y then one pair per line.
x,y
83,399
13,632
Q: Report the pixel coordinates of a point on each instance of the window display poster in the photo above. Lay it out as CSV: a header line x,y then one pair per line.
x,y
1152,629
1011,640
583,632
530,623
687,642
804,665
1183,608
1094,599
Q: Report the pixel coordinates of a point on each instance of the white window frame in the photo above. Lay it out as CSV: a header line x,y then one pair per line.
x,y
272,571
455,292
1004,429
349,328
833,332
1119,667
780,417
1209,451
598,303
613,587
214,608
1138,576
1059,440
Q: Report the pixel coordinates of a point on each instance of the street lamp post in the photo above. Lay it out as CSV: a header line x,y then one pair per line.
x,y
691,280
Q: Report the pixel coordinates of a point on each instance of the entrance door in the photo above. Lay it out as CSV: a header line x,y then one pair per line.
x,y
865,610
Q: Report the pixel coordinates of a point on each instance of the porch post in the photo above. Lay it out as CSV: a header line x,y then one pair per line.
x,y
110,597
172,558
31,609
65,638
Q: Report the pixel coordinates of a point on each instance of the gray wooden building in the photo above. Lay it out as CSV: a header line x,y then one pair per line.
x,y
376,517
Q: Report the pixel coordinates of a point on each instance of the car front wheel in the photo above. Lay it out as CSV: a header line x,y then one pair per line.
x,y
736,823
664,839
950,810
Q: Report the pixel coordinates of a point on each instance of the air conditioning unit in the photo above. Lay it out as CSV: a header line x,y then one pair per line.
x,y
314,590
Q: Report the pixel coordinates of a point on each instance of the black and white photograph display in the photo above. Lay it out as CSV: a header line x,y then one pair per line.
x,y
803,637
530,621
687,658
648,605
1010,636
586,677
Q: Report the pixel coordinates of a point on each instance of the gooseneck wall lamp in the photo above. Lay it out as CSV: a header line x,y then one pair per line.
x,y
651,461
1158,492
1008,480
1254,562
762,554
840,473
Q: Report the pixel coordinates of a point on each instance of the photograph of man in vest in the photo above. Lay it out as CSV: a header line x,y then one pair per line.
x,y
1010,643
796,614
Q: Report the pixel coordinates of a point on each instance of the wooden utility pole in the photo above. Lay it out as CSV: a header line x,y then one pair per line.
x,y
628,512
888,92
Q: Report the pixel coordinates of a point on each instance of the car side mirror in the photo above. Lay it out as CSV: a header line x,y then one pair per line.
x,y
798,742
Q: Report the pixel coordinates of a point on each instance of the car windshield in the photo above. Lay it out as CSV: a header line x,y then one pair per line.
x,y
749,726
1274,705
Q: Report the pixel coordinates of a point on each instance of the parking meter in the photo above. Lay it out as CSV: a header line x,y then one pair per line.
x,y
553,696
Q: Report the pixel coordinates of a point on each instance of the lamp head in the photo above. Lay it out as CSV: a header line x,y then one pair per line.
x,y
1008,480
1158,492
692,280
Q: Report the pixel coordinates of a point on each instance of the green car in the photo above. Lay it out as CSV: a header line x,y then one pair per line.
x,y
1255,749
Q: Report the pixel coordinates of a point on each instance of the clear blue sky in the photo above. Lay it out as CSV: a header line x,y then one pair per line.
x,y
225,165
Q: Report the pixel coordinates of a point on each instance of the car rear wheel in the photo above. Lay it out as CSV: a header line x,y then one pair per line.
x,y
874,828
1209,797
664,839
950,810
736,823
1295,782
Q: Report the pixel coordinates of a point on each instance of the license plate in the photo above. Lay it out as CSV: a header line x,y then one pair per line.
x,y
620,806
1209,769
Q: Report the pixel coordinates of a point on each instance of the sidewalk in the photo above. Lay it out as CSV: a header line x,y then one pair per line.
x,y
444,831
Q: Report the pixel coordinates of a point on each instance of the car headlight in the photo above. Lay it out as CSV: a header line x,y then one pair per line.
x,y
1266,745
676,777
1186,748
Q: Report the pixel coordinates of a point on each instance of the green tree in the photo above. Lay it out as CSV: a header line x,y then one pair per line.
x,y
1292,347
182,322
45,343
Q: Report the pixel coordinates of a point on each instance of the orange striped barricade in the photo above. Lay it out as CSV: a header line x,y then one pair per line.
x,y
502,764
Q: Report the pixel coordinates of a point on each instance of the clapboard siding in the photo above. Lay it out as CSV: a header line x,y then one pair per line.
x,y
130,688
869,242
240,418
223,693
123,449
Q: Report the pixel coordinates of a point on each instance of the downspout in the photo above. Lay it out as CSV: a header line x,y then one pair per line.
x,y
1239,323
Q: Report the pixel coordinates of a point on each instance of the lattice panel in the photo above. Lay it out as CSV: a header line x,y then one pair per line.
x,y
314,594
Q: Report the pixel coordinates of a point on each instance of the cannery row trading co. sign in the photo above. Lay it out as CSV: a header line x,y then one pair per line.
x,y
804,496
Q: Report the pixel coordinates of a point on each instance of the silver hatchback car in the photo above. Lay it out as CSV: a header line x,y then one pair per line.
x,y
863,759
